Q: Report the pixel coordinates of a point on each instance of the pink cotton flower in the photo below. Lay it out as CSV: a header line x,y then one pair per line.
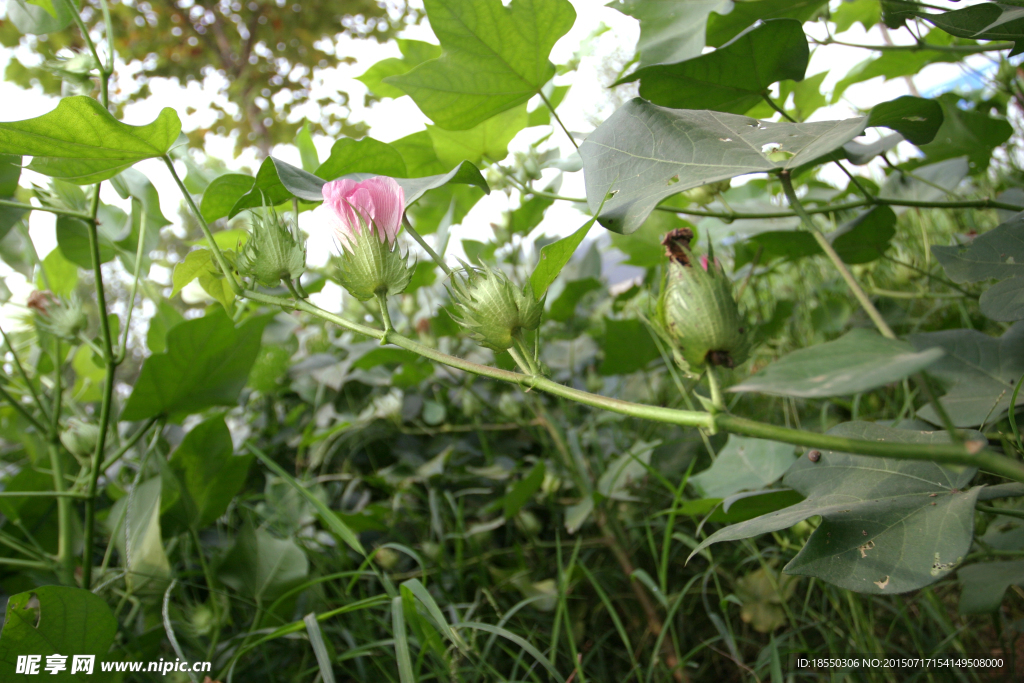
x,y
378,202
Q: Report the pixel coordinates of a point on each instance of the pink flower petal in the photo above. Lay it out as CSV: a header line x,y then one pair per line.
x,y
377,201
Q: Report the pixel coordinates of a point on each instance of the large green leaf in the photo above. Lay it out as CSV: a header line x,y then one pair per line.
x,y
858,361
31,17
414,53
362,156
206,364
494,58
896,64
888,526
81,142
967,133
997,254
734,77
980,371
670,31
744,464
644,153
209,474
915,118
984,21
724,26
56,620
139,539
984,585
485,141
262,567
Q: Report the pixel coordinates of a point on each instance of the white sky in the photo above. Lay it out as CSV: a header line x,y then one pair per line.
x,y
586,102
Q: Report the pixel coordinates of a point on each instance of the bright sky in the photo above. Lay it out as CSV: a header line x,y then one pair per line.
x,y
588,102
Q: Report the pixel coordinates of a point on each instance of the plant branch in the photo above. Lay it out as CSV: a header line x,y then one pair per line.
x,y
551,108
218,256
7,203
426,247
920,47
826,246
16,404
122,349
24,375
834,208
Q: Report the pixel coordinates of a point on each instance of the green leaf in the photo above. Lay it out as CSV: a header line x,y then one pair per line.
x,y
984,584
564,306
644,153
523,490
553,258
484,141
414,53
166,317
915,118
262,567
307,150
744,464
971,133
997,254
858,361
362,156
529,214
670,31
867,12
985,21
625,470
81,142
417,150
882,530
58,274
206,364
733,78
141,546
209,472
494,58
132,183
723,27
223,193
980,372
807,95
928,183
29,16
896,64
56,620
196,262
628,347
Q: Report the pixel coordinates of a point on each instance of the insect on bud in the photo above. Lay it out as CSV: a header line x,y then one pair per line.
x,y
493,310
365,218
697,311
275,250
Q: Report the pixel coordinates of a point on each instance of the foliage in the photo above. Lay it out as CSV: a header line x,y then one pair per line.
x,y
794,432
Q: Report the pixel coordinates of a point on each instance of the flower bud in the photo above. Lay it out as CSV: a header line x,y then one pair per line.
x,y
275,250
80,438
492,309
697,311
63,318
365,218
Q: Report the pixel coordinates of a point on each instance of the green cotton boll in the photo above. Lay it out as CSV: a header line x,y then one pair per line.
x,y
63,318
698,314
368,267
493,310
80,438
275,250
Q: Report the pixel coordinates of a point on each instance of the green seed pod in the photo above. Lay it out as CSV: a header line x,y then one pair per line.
x,y
698,314
275,250
80,438
63,318
368,266
493,310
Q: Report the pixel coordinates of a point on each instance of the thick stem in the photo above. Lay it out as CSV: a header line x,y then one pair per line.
x,y
716,389
826,246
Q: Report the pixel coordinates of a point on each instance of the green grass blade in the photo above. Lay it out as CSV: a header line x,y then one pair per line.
x,y
316,639
405,673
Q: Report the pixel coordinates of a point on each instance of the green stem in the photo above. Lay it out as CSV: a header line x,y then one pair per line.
x,y
780,110
920,47
826,246
7,203
551,108
41,494
385,315
65,528
134,439
924,381
716,389
24,375
1013,414
218,256
16,404
419,240
833,208
1008,512
84,30
122,349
